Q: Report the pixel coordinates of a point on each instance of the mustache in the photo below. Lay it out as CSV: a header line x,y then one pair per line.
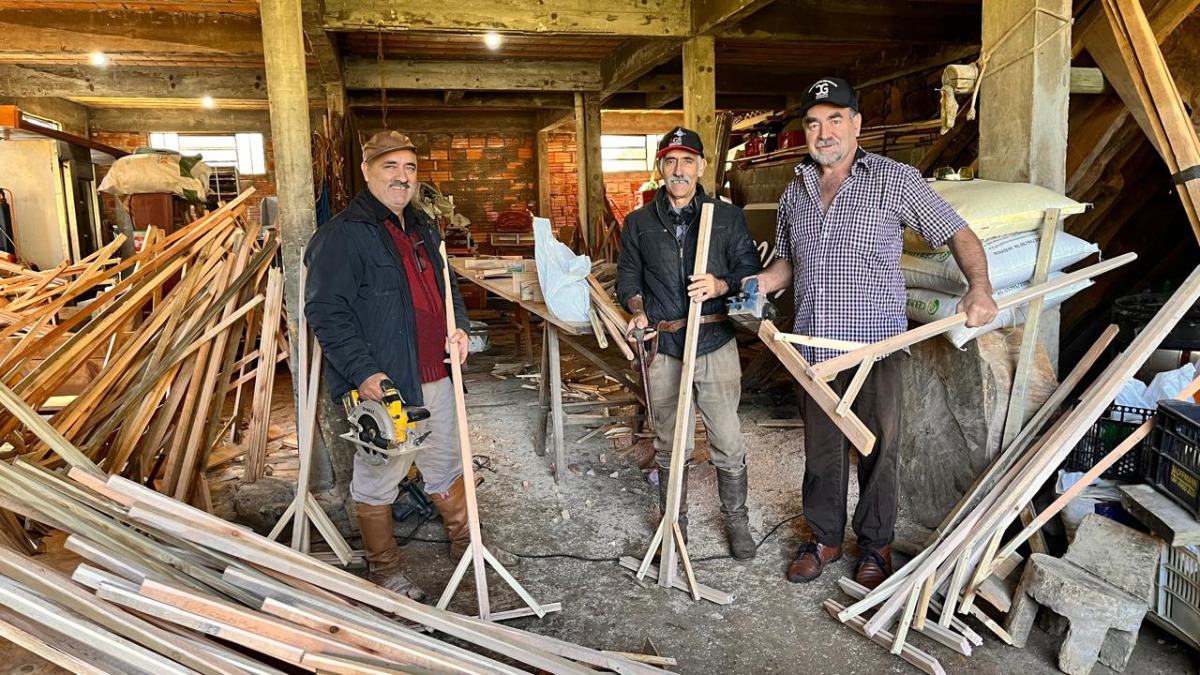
x,y
826,144
399,183
680,179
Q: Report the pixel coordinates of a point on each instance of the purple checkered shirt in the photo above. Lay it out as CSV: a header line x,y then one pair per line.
x,y
846,262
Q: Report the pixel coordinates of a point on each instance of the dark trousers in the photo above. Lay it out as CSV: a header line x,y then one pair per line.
x,y
827,461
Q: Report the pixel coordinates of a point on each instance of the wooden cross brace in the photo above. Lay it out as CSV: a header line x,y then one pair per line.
x,y
477,553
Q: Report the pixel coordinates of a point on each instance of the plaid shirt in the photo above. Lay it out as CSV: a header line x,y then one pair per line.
x,y
846,262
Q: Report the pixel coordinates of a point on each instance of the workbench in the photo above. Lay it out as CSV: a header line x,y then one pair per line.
x,y
555,331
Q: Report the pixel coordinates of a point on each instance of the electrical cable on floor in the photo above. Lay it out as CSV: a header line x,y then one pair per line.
x,y
572,556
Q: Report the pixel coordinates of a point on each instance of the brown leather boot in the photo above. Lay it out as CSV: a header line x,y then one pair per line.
x,y
383,555
873,567
810,561
452,504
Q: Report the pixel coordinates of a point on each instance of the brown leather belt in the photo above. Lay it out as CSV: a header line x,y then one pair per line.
x,y
676,326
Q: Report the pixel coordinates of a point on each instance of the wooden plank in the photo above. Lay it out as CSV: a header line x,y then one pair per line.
x,y
685,421
993,515
441,74
915,656
932,630
709,593
828,369
850,425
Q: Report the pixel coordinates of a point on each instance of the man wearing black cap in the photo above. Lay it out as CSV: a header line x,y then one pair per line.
x,y
838,239
374,278
655,282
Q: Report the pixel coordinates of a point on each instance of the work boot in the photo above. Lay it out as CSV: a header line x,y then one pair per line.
x,y
810,561
383,555
664,480
873,566
452,504
732,488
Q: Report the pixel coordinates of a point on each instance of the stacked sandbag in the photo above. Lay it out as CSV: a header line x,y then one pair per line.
x,y
1006,217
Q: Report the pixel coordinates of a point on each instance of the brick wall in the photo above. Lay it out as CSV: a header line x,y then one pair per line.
x,y
487,175
621,187
264,185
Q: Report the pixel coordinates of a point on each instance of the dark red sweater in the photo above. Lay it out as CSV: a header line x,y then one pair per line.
x,y
428,305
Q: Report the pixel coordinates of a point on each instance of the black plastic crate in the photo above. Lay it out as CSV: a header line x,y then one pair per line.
x,y
1172,459
1105,435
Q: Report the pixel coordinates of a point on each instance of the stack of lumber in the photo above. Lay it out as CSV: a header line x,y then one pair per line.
x,y
174,329
26,293
165,588
967,554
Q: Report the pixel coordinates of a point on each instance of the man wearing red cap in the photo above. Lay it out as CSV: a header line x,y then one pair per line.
x,y
375,299
838,243
655,281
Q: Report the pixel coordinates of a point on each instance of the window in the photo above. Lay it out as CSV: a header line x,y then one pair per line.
x,y
627,153
40,121
245,151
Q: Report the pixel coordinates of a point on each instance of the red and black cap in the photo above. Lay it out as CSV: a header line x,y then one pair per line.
x,y
680,138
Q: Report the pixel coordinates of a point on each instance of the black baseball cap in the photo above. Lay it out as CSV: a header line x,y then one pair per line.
x,y
680,138
832,90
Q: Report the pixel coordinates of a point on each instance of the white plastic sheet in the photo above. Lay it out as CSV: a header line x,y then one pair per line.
x,y
561,274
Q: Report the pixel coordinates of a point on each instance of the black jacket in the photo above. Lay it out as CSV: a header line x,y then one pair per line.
x,y
655,266
358,302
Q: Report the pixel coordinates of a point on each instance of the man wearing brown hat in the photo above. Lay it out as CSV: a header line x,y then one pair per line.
x,y
375,299
655,281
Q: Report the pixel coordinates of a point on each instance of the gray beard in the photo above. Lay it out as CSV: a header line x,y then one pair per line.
x,y
825,160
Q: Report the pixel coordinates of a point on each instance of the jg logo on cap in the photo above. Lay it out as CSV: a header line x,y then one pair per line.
x,y
831,90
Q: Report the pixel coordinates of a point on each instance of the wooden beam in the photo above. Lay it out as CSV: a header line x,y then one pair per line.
x,y
859,21
633,60
135,82
283,44
208,121
700,99
709,16
128,32
545,209
470,99
647,18
589,168
511,75
1097,37
444,121
453,96
324,48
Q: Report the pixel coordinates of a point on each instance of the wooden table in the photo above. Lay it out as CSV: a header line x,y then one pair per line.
x,y
555,330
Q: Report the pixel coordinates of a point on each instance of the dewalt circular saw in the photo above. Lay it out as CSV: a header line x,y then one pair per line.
x,y
382,430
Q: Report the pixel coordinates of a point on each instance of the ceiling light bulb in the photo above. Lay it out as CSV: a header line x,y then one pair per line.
x,y
99,59
208,101
492,40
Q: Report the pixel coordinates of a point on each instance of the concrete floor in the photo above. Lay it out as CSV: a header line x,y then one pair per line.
x,y
772,627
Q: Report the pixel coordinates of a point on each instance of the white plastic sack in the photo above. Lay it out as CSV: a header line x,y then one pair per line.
x,y
926,306
994,208
561,274
159,171
1011,260
1165,385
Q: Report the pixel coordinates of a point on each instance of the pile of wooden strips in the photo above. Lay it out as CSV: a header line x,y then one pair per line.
x,y
27,294
168,333
967,554
166,586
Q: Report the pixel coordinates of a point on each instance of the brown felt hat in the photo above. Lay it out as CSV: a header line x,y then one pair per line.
x,y
384,142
